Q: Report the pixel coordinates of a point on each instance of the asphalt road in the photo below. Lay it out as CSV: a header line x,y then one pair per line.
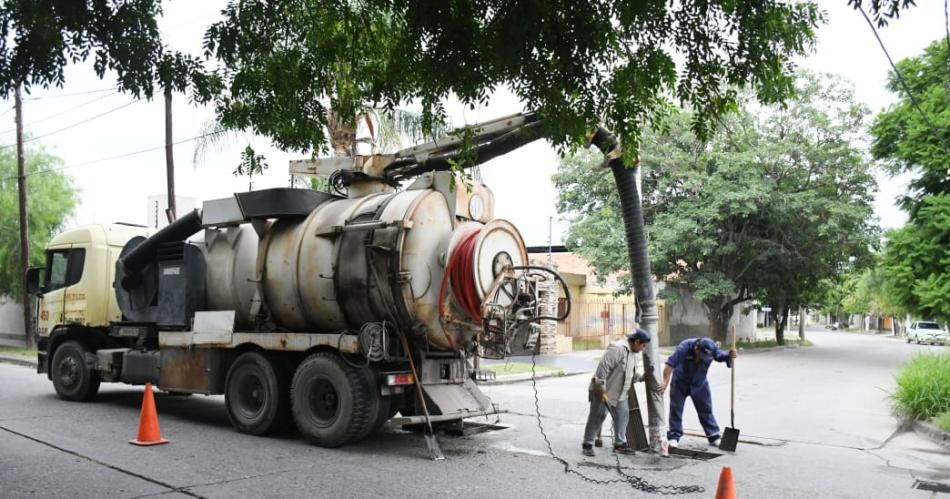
x,y
817,420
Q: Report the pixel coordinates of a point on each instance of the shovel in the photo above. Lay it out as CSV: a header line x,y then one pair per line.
x,y
730,438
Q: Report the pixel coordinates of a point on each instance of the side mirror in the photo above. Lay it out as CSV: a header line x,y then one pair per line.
x,y
33,279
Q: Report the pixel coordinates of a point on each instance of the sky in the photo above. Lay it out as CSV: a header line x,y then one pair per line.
x,y
115,184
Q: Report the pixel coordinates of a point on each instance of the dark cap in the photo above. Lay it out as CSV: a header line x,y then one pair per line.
x,y
639,334
706,346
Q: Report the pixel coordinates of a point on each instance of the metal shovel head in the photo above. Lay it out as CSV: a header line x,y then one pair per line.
x,y
730,438
433,446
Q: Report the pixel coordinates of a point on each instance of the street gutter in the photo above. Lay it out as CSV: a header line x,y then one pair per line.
x,y
17,360
931,431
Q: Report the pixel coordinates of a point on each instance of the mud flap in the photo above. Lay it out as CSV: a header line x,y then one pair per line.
x,y
461,399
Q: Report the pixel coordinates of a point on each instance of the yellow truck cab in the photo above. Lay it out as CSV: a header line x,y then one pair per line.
x,y
75,299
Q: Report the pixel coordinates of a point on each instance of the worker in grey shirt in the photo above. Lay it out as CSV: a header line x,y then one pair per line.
x,y
609,389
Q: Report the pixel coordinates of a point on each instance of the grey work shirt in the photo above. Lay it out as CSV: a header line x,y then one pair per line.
x,y
616,372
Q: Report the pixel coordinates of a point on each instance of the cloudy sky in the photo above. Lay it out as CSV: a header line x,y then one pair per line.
x,y
116,183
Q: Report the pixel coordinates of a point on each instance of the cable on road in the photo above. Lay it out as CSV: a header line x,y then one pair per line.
x,y
633,481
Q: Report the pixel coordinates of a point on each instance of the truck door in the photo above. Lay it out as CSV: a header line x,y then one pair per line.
x,y
64,268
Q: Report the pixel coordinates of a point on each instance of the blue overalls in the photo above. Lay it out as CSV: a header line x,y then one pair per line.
x,y
689,380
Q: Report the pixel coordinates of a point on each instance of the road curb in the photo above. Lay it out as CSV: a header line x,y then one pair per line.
x,y
516,378
933,432
17,361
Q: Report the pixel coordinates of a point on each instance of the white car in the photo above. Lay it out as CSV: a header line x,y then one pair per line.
x,y
927,332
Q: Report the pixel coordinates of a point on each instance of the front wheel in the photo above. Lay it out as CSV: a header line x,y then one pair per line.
x,y
72,377
332,403
256,394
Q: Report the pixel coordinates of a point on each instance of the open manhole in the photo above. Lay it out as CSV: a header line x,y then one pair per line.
x,y
693,453
932,486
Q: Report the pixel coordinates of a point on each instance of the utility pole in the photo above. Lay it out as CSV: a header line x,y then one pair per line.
x,y
169,157
24,220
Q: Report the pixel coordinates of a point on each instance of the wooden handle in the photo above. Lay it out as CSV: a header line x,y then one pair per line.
x,y
732,404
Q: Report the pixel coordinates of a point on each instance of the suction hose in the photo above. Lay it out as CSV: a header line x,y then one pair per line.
x,y
145,253
635,232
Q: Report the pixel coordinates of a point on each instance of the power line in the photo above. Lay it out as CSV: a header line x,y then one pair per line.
x,y
60,113
900,77
57,96
118,156
74,125
7,111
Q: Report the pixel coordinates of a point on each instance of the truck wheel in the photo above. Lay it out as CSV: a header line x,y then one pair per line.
x,y
332,403
72,377
256,394
380,405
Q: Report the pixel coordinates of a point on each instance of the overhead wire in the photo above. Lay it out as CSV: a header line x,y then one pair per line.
x,y
111,158
903,82
58,96
60,113
74,125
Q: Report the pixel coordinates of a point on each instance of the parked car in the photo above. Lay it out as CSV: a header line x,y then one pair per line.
x,y
927,332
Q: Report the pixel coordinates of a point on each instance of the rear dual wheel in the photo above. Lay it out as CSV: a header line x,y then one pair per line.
x,y
334,403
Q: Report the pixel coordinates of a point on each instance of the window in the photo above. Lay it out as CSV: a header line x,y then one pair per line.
x,y
927,325
64,268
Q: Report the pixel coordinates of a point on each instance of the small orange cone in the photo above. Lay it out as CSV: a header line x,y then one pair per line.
x,y
149,434
727,488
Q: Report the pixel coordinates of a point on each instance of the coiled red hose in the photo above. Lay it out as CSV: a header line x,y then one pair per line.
x,y
460,271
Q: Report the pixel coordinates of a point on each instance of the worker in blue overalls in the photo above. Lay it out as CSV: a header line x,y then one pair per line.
x,y
687,367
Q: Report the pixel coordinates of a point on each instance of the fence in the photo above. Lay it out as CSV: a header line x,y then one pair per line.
x,y
593,325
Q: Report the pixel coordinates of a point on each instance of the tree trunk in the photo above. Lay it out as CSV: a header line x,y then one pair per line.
x,y
801,322
781,319
718,313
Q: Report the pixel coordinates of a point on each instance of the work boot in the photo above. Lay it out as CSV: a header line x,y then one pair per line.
x,y
587,450
623,449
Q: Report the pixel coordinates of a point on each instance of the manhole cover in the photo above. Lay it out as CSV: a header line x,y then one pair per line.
x,y
932,486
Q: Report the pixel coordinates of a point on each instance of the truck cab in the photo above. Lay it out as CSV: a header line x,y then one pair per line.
x,y
74,297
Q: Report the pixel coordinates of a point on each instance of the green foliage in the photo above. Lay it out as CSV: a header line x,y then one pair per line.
x,y
923,387
943,421
38,39
51,199
251,164
917,260
770,207
744,345
577,64
871,292
908,142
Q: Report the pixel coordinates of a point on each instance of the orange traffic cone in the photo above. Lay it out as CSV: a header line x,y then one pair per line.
x,y
149,434
727,488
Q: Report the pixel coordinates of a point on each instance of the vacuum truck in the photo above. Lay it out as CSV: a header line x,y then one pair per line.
x,y
333,311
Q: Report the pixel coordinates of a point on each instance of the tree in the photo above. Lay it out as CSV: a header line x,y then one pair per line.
x,y
765,209
915,140
38,39
917,260
908,140
52,198
286,64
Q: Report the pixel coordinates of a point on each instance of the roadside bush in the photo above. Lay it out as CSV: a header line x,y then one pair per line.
x,y
943,421
923,387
